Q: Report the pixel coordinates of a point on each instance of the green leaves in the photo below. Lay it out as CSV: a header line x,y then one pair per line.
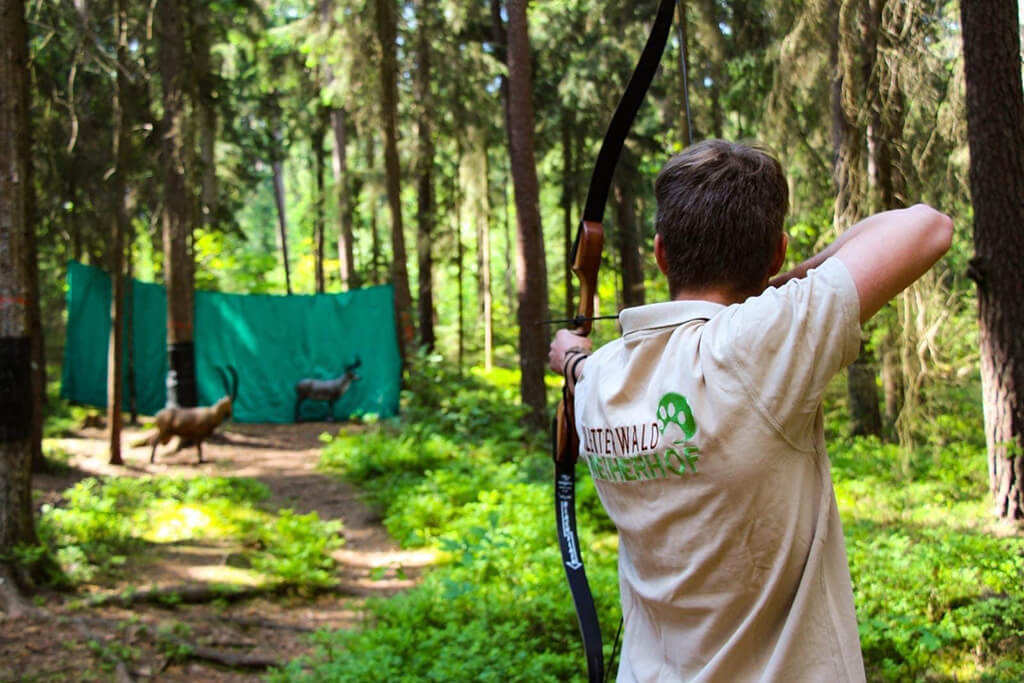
x,y
105,523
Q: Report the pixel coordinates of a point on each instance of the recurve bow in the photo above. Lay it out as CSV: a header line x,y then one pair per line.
x,y
586,261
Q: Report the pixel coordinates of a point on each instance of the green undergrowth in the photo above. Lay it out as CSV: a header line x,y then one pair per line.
x,y
105,524
938,586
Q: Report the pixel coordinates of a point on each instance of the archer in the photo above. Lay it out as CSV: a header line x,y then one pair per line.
x,y
737,569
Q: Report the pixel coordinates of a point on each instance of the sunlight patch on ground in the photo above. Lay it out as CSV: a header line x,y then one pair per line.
x,y
177,523
221,574
391,558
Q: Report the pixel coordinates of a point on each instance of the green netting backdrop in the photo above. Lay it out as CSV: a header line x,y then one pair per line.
x,y
271,341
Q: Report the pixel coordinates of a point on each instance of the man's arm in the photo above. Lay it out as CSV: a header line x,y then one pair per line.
x,y
885,253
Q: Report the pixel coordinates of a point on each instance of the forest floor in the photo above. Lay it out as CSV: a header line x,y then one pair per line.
x,y
235,641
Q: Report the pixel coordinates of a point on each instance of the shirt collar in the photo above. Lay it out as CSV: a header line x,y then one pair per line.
x,y
666,314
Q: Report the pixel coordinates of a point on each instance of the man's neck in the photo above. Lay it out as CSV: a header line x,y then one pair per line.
x,y
726,297
719,295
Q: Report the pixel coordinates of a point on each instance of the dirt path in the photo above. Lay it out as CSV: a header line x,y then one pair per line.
x,y
284,457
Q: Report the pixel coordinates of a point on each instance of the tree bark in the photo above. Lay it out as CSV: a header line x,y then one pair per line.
x,y
569,216
478,190
531,271
115,347
178,209
35,316
425,209
319,166
16,404
387,34
995,131
282,222
346,259
374,204
339,159
627,232
685,121
206,114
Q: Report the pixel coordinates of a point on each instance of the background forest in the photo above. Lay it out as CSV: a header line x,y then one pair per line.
x,y
314,148
300,147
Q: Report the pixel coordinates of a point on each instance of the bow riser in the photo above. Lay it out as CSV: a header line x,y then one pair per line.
x,y
586,261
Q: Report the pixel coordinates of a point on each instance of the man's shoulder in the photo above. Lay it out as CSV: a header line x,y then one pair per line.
x,y
826,293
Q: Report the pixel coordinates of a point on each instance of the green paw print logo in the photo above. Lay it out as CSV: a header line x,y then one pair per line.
x,y
674,409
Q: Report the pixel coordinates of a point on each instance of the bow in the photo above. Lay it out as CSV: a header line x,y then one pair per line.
x,y
586,260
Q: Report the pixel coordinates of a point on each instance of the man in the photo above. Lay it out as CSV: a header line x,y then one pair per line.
x,y
702,428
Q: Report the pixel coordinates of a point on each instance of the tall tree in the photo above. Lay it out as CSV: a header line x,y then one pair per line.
x,y
118,225
531,270
346,258
627,236
35,313
205,93
995,131
16,521
425,175
178,208
475,179
321,120
280,201
387,36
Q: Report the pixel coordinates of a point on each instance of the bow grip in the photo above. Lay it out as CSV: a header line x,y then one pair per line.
x,y
586,260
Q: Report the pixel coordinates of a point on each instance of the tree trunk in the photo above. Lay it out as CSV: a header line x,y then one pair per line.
x,y
374,205
685,117
627,233
35,316
319,166
425,181
995,131
346,260
129,327
569,217
16,404
282,222
476,182
339,160
206,114
460,251
387,27
115,348
178,209
531,271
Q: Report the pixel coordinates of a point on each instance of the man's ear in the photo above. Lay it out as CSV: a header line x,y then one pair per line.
x,y
659,255
779,257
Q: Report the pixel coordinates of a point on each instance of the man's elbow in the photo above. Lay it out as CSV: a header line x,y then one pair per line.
x,y
937,229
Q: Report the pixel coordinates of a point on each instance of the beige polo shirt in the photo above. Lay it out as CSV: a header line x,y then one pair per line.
x,y
702,429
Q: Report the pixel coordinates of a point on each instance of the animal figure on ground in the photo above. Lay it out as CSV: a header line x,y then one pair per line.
x,y
329,390
191,425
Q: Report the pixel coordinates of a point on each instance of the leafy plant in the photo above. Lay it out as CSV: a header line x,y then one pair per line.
x,y
105,522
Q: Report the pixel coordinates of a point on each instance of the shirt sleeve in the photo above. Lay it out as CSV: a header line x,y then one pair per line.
x,y
786,344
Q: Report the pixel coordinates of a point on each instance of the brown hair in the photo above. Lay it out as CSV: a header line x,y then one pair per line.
x,y
721,208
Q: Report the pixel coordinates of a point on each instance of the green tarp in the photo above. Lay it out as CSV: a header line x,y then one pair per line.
x,y
271,341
